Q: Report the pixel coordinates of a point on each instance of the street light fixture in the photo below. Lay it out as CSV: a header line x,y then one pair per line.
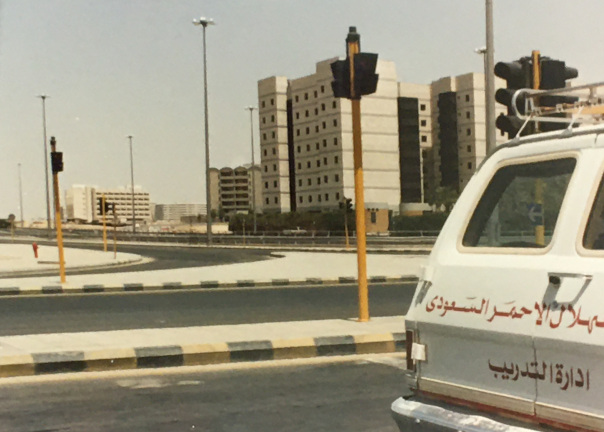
x,y
48,220
204,22
132,185
251,109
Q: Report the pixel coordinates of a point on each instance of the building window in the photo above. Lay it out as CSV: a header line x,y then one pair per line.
x,y
322,107
265,185
335,159
265,152
316,94
265,168
322,89
299,166
317,129
469,148
274,151
297,116
317,145
335,122
468,132
335,141
275,183
307,131
319,198
324,143
318,180
299,149
276,200
422,107
373,217
300,199
263,120
467,114
316,111
306,113
309,198
305,96
324,125
423,123
274,167
297,99
272,101
469,165
336,177
424,138
267,201
307,147
334,104
308,164
337,196
467,98
272,118
318,163
300,182
273,134
324,161
264,137
309,181
297,132
326,197
263,104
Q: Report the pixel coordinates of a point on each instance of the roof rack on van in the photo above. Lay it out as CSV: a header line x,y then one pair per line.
x,y
573,105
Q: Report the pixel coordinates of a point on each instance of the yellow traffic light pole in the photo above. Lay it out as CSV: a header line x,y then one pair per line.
x,y
539,229
353,47
55,185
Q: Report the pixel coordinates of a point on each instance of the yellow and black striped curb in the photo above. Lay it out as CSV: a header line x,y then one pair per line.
x,y
166,286
200,354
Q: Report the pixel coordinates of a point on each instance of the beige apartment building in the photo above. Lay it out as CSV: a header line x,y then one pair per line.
x,y
81,203
231,189
174,212
306,142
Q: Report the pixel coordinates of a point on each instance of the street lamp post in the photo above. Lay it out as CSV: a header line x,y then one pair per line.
x,y
251,109
132,185
490,79
48,220
204,22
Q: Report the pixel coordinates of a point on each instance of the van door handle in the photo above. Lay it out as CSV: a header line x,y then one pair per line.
x,y
567,287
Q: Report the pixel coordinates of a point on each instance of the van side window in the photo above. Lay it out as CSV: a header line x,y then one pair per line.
x,y
594,233
520,206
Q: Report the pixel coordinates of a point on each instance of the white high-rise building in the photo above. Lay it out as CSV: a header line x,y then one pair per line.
x,y
81,203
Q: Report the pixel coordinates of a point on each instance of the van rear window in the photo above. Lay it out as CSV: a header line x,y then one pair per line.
x,y
520,206
594,233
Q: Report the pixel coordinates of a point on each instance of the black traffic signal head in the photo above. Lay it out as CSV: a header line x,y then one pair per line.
x,y
518,74
348,205
340,85
554,74
56,162
365,78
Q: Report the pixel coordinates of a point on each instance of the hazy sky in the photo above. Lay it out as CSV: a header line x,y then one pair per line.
x,y
119,67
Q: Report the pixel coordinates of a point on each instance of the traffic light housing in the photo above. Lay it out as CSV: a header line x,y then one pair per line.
x,y
348,205
518,74
101,202
56,161
365,78
554,74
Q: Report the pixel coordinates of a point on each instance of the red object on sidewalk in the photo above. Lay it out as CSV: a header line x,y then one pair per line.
x,y
35,246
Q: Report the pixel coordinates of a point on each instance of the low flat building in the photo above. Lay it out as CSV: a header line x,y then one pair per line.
x,y
175,212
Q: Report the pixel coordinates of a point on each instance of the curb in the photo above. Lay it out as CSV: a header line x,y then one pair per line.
x,y
203,354
174,286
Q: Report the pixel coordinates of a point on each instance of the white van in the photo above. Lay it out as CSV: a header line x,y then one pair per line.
x,y
506,328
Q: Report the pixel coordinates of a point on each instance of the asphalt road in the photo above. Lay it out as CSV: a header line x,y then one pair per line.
x,y
121,311
353,396
168,257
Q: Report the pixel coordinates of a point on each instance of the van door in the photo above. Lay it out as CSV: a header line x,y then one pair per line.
x,y
476,321
570,336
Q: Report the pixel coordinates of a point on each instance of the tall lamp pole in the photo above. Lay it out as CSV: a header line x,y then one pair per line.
x,y
20,195
251,109
204,22
490,79
132,185
48,219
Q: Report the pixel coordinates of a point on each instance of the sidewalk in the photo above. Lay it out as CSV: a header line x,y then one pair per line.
x,y
131,349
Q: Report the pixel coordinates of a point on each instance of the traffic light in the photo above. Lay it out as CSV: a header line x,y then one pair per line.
x,y
554,74
340,85
348,205
518,74
365,78
101,202
56,161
